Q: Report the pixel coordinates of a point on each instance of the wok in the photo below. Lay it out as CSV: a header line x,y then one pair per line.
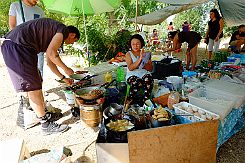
x,y
87,93
120,117
81,77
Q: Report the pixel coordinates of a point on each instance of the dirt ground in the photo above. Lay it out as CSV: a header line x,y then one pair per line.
x,y
78,136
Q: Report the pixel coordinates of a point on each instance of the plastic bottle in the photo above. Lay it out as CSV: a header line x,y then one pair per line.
x,y
108,77
120,74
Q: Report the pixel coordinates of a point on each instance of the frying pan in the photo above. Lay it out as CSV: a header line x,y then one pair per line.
x,y
81,76
120,117
85,93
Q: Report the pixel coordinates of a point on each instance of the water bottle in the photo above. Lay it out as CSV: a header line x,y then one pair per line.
x,y
120,74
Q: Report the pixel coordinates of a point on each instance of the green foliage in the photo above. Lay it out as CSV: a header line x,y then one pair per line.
x,y
108,37
195,16
121,40
4,12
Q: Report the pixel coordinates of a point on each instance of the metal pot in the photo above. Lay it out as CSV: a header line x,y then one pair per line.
x,y
115,109
155,123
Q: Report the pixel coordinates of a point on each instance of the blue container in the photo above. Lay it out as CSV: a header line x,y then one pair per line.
x,y
243,58
236,55
231,59
189,73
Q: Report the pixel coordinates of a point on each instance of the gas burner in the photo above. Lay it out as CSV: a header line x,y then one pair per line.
x,y
86,102
90,102
113,137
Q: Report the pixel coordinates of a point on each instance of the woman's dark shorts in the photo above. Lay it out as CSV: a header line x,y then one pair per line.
x,y
21,63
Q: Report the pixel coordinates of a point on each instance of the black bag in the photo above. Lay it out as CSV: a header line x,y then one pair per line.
x,y
163,69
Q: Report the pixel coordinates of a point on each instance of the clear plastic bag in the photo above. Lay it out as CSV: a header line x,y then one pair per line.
x,y
173,98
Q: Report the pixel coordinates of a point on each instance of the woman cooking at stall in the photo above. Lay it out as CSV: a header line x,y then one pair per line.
x,y
138,61
193,39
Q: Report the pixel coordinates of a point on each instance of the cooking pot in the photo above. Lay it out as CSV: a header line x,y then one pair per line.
x,y
115,109
112,110
155,123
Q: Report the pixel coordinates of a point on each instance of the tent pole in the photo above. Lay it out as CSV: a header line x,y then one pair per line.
x,y
86,37
136,14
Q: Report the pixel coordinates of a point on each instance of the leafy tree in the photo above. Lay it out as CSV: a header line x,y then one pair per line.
x,y
196,16
4,10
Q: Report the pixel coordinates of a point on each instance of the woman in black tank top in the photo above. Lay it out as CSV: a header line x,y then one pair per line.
x,y
214,32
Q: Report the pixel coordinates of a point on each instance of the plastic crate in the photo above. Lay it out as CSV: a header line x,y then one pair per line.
x,y
228,89
212,101
194,113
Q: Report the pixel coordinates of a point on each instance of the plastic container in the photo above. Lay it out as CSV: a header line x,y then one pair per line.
x,y
173,98
190,111
70,98
243,59
228,89
231,59
189,73
213,102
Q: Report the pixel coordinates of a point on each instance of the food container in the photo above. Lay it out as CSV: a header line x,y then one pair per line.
x,y
91,114
194,113
156,123
211,101
227,89
70,98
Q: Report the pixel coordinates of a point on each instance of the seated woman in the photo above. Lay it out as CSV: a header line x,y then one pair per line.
x,y
238,39
138,62
193,39
154,40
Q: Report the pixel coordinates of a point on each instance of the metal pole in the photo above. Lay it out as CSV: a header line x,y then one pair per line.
x,y
86,37
136,14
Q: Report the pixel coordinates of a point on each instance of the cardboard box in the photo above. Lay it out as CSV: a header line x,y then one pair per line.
x,y
13,150
194,142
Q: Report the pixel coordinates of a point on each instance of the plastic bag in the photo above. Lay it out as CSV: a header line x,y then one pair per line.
x,y
54,156
173,98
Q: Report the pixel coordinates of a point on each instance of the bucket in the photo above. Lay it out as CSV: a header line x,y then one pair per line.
x,y
70,98
91,115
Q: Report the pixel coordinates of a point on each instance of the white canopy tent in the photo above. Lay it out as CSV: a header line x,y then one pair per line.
x,y
232,11
182,2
